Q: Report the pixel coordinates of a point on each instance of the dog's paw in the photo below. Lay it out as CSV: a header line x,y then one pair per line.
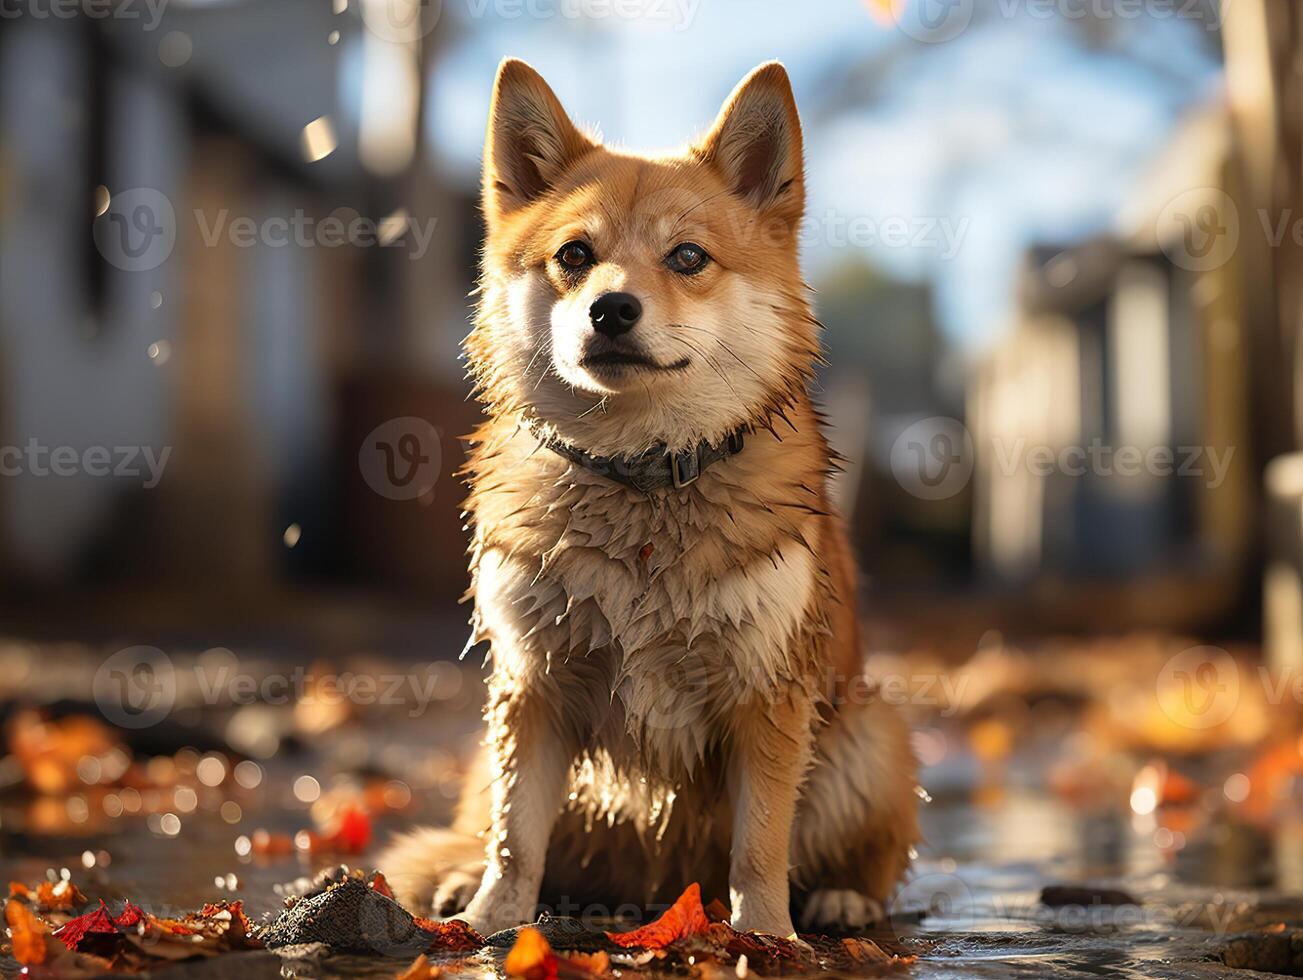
x,y
454,893
840,909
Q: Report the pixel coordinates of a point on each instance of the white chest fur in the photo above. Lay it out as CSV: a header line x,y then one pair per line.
x,y
683,640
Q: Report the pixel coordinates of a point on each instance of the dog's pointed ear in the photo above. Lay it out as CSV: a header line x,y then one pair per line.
x,y
755,142
530,141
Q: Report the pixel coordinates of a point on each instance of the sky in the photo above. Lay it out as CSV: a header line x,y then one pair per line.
x,y
938,158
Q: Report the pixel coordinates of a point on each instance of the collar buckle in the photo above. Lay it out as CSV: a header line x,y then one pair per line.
x,y
685,468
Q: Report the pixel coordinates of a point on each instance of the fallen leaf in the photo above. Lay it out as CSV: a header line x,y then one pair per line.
x,y
717,911
380,884
685,917
49,896
130,915
451,935
74,931
26,934
865,952
421,969
531,957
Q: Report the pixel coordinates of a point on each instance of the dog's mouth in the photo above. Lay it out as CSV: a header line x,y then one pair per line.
x,y
618,361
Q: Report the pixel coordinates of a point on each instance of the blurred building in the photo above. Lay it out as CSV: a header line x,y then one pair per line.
x,y
887,368
1111,426
1264,57
249,345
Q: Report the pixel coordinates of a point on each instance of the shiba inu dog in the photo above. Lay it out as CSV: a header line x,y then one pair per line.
x,y
668,599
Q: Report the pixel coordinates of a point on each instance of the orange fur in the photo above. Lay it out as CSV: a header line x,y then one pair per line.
x,y
668,696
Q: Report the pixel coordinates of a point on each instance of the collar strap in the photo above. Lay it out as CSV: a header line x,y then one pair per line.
x,y
657,468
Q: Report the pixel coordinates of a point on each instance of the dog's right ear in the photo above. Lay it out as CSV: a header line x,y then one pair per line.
x,y
530,142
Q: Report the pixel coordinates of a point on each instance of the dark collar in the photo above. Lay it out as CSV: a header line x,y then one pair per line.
x,y
657,468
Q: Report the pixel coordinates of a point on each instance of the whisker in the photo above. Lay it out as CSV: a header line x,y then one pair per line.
x,y
725,347
711,361
588,411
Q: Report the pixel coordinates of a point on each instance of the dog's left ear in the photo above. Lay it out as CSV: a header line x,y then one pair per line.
x,y
755,142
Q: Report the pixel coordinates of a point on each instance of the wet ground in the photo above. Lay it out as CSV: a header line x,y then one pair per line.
x,y
1017,807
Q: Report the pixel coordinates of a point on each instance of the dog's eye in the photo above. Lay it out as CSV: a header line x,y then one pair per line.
x,y
687,258
575,256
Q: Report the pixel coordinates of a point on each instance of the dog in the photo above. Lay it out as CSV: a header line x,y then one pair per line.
x,y
668,598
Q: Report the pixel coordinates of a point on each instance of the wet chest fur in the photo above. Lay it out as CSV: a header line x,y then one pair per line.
x,y
657,618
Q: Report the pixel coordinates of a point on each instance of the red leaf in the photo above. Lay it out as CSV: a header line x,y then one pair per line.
x,y
354,833
72,932
453,935
380,884
684,918
131,914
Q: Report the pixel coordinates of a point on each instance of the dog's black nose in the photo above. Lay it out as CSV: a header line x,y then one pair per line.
x,y
615,313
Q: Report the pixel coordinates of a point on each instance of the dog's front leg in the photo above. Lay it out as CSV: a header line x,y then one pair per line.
x,y
770,754
531,762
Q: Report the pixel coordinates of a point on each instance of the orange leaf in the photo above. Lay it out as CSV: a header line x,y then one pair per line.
x,y
531,957
27,935
594,964
454,935
421,969
685,917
